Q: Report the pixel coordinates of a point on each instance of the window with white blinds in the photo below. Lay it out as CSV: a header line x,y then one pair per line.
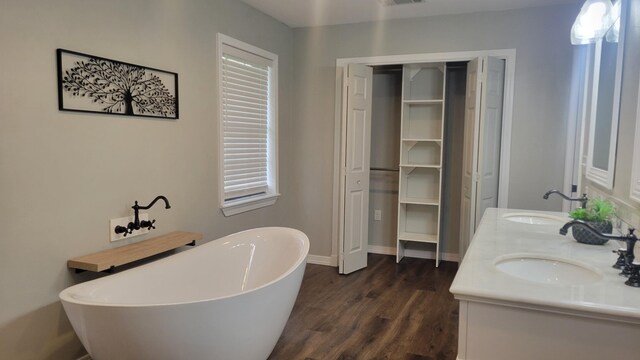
x,y
247,114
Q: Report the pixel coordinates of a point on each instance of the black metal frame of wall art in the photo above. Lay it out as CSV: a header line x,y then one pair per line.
x,y
93,84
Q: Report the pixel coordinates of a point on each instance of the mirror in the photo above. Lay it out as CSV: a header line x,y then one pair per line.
x,y
605,104
635,164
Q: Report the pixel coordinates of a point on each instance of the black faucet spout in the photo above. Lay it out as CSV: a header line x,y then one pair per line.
x,y
583,199
630,240
161,197
136,209
565,228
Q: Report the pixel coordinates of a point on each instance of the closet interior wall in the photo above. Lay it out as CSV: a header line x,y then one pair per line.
x,y
385,155
454,114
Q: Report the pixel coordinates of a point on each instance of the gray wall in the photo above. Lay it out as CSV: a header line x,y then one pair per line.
x,y
628,210
64,175
543,70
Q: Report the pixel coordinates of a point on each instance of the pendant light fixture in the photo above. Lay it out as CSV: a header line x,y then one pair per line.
x,y
593,22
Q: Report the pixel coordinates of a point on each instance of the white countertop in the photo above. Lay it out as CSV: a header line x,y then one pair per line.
x,y
479,280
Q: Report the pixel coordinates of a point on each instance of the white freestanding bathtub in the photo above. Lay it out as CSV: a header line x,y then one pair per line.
x,y
228,299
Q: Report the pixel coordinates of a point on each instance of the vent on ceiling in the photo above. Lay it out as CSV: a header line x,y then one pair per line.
x,y
400,2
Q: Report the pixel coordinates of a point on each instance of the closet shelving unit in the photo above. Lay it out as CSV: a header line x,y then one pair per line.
x,y
420,181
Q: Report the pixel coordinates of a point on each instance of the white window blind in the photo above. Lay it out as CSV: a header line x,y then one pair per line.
x,y
245,115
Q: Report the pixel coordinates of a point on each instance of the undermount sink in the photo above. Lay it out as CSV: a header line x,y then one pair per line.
x,y
535,218
547,270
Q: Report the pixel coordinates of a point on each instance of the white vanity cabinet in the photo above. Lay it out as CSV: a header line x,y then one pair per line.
x,y
422,131
506,317
504,331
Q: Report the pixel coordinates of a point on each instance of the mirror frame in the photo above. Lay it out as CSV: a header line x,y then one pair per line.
x,y
634,193
599,176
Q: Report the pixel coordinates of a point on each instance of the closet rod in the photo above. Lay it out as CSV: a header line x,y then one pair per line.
x,y
383,169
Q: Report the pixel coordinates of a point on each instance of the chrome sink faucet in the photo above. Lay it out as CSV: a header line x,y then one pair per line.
x,y
626,263
583,199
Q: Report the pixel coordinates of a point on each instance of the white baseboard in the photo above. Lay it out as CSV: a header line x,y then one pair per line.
x,y
322,260
86,357
383,250
414,253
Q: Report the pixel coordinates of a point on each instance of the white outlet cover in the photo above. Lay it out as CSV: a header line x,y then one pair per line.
x,y
377,215
124,221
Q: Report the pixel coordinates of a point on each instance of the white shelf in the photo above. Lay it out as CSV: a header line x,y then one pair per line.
x,y
421,153
418,201
425,238
423,102
422,125
436,140
423,81
422,121
419,182
418,219
420,166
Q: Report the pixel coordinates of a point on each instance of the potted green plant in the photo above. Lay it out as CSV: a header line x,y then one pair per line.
x,y
598,214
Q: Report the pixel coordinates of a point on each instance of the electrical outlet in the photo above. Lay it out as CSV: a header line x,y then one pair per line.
x,y
124,221
377,215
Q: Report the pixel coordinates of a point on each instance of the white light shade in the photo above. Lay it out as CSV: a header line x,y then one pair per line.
x,y
592,23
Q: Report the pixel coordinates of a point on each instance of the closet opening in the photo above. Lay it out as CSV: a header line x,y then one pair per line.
x,y
434,153
421,155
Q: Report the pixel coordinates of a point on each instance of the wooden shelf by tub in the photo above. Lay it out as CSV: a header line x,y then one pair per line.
x,y
109,259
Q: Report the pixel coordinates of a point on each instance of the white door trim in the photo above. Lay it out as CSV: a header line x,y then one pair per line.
x,y
509,55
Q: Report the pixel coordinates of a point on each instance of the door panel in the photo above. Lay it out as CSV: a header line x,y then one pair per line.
x,y
357,159
471,125
490,136
355,217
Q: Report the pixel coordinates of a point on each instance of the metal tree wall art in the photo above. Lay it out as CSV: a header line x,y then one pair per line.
x,y
92,84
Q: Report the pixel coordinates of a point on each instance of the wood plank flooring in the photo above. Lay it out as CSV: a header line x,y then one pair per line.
x,y
386,311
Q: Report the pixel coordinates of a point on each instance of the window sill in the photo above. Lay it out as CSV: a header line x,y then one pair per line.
x,y
244,205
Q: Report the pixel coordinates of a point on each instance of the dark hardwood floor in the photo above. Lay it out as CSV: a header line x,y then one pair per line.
x,y
385,311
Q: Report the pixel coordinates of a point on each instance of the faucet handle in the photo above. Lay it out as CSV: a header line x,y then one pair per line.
x,y
634,278
148,224
622,255
121,230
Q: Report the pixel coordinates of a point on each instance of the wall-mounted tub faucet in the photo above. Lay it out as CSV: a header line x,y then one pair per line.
x,y
625,262
583,200
136,224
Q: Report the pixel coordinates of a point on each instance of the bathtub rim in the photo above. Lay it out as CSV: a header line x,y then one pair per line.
x,y
64,295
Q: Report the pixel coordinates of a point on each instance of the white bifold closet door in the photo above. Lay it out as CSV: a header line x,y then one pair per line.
x,y
358,151
482,138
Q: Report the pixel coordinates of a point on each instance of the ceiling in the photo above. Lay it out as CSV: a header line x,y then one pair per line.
x,y
304,13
